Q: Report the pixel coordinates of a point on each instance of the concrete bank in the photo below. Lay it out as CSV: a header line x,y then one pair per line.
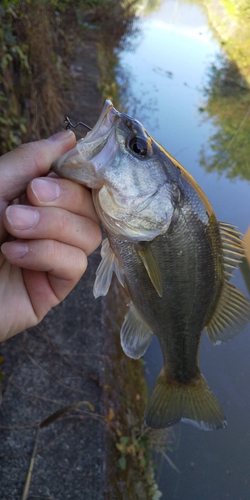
x,y
74,356
58,363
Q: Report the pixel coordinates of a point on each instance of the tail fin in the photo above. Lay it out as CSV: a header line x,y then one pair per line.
x,y
173,401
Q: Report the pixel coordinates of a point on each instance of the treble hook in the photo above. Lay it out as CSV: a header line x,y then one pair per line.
x,y
71,125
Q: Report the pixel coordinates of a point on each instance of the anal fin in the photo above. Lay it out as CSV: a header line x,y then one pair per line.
x,y
135,335
104,273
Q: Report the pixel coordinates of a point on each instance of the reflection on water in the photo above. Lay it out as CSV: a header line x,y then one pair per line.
x,y
178,57
148,6
228,104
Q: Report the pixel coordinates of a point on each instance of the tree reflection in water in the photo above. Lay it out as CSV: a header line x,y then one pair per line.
x,y
228,105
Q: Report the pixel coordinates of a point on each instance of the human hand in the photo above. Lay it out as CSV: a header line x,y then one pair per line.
x,y
55,229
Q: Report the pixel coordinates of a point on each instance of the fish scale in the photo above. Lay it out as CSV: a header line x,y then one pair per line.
x,y
166,246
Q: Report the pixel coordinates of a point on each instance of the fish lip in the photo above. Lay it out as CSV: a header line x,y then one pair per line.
x,y
104,124
88,147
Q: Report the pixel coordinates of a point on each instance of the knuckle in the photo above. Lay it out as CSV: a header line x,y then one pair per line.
x,y
85,195
51,250
78,196
83,263
77,263
64,222
71,258
95,237
35,153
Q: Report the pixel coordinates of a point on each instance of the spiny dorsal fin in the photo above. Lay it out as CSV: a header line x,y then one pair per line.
x,y
233,309
135,335
232,245
104,273
145,253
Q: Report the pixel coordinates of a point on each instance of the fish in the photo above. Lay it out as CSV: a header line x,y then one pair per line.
x,y
166,246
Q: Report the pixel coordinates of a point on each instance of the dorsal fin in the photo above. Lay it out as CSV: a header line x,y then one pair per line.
x,y
233,247
233,309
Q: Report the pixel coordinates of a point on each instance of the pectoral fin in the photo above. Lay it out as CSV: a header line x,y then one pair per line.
x,y
104,273
233,309
145,253
135,335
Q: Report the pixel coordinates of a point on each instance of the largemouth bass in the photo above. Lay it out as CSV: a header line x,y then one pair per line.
x,y
166,246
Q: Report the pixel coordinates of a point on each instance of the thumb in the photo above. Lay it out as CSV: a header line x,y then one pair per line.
x,y
20,166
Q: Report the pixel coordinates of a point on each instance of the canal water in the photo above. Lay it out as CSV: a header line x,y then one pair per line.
x,y
168,71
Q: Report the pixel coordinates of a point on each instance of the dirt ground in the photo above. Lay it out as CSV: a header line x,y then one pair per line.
x,y
58,363
74,357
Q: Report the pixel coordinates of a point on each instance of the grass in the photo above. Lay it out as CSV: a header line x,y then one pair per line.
x,y
37,44
233,32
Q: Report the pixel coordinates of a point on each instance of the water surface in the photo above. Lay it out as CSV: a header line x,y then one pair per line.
x,y
168,70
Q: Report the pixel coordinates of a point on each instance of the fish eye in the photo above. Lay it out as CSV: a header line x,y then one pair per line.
x,y
139,146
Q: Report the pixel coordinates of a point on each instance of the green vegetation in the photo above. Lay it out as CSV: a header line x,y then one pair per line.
x,y
148,6
135,454
29,71
230,20
231,7
228,104
228,91
37,43
38,39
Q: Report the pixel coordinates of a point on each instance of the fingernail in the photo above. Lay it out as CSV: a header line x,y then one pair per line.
x,y
14,249
22,217
61,136
45,190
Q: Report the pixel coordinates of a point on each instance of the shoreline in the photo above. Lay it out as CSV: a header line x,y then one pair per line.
x,y
74,355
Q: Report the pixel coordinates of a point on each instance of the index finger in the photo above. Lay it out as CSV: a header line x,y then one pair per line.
x,y
62,193
20,166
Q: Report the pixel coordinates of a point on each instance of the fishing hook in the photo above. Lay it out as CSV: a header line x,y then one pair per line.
x,y
71,125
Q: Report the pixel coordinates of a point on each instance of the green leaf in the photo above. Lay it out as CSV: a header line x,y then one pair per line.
x,y
157,495
122,463
120,447
124,440
142,462
23,128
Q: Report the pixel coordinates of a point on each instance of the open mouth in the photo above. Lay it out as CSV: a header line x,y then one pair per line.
x,y
95,140
105,122
83,160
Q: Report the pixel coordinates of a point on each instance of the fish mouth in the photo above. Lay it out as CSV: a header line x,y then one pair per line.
x,y
82,162
104,124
